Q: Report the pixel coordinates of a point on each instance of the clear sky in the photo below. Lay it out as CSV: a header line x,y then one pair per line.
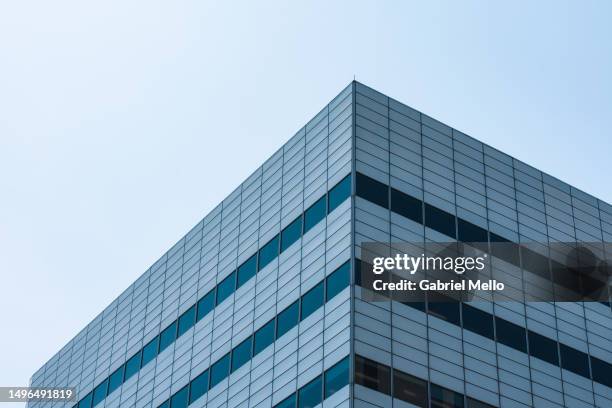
x,y
122,123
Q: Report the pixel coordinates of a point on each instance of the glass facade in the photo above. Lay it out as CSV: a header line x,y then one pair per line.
x,y
260,304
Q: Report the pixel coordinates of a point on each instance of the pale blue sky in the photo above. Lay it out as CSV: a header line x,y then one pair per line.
x,y
122,123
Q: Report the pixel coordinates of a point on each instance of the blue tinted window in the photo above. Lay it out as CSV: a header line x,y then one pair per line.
x,y
226,287
310,395
312,300
241,353
339,193
444,307
338,280
100,392
336,377
186,321
469,232
116,379
220,370
602,371
167,336
372,190
574,360
291,233
511,335
406,206
150,350
440,221
478,321
314,214
288,402
268,252
181,398
263,337
85,402
443,397
165,404
206,304
287,319
133,365
198,387
247,270
543,348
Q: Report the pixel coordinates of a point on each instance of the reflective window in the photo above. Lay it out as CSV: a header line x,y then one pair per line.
x,y
439,220
477,321
116,379
263,337
337,281
86,401
167,336
409,388
310,395
133,365
372,190
312,300
469,232
574,361
287,319
268,252
372,375
314,214
288,402
543,348
511,335
165,404
99,392
444,307
226,287
336,377
181,398
206,304
291,233
247,270
186,321
198,386
406,206
220,370
241,353
339,193
602,371
150,350
445,398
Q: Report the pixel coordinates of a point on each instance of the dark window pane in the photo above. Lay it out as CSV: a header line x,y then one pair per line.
x,y
337,281
288,402
312,300
198,386
220,370
86,401
510,334
472,403
116,379
100,392
336,377
206,304
445,398
167,336
241,353
314,214
226,287
165,404
543,348
291,233
310,395
416,305
372,190
181,398
507,251
187,320
602,371
410,389
535,262
247,270
574,361
477,321
287,319
372,375
439,220
133,365
339,193
263,337
469,232
406,206
150,350
447,309
268,252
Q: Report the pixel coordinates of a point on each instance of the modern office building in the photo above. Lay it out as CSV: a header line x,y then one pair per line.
x,y
260,305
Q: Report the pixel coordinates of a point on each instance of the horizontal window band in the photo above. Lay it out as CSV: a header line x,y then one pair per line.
x,y
223,290
515,336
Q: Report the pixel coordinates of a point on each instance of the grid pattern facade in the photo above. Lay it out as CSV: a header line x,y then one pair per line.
x,y
393,354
